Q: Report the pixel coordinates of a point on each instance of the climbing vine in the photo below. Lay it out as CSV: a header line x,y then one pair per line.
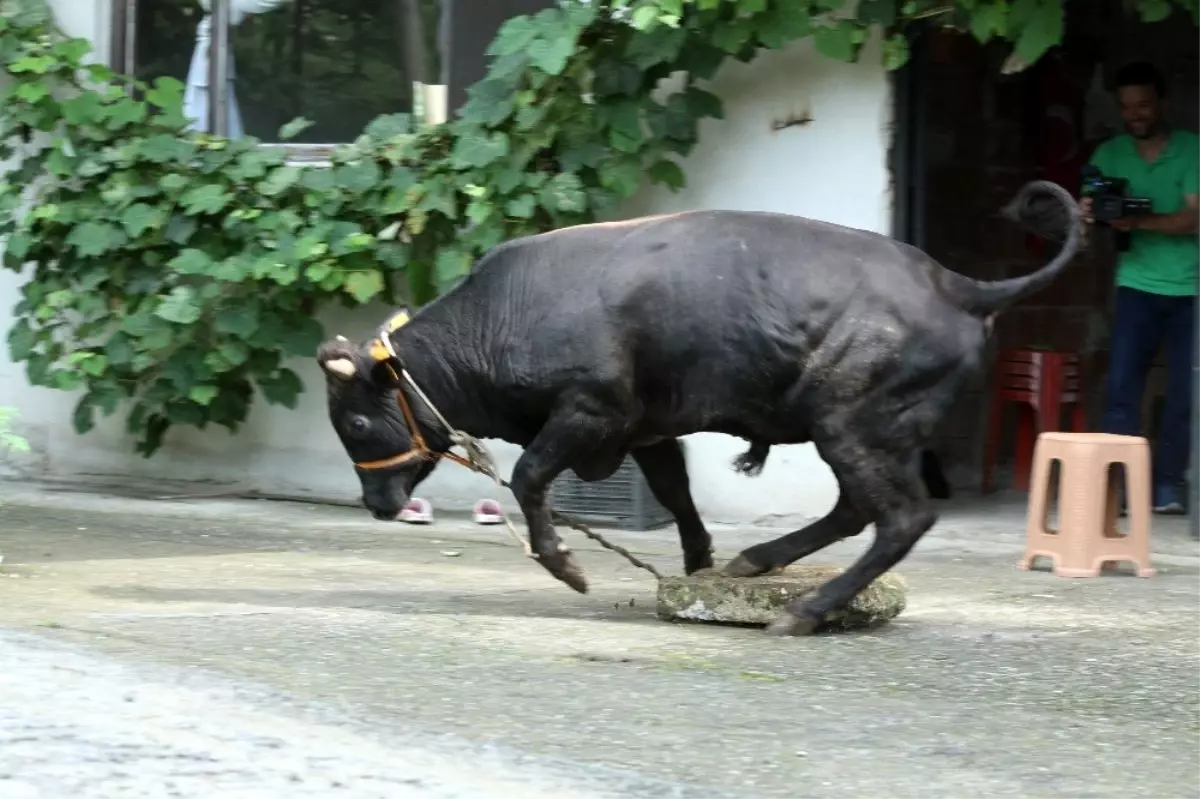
x,y
172,273
10,441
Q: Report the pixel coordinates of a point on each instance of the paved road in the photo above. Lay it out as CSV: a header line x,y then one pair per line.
x,y
283,647
76,725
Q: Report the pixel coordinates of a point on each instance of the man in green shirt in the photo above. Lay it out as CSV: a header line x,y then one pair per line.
x,y
1156,275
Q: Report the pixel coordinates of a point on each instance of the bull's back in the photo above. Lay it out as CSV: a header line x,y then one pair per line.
x,y
717,256
699,301
703,282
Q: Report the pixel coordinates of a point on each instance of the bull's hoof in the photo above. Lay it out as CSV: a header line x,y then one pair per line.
x,y
742,566
747,465
562,566
790,624
697,564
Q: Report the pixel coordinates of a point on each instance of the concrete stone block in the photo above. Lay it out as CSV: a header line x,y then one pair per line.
x,y
710,596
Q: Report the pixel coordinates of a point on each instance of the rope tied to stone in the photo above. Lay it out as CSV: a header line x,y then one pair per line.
x,y
478,459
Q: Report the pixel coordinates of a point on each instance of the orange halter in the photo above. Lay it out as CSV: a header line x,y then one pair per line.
x,y
381,351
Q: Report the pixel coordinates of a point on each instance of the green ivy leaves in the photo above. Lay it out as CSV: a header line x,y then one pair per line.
x,y
479,149
363,286
840,41
10,441
1037,25
205,199
181,306
174,273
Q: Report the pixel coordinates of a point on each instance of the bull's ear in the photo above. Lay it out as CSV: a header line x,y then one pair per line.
x,y
379,352
385,366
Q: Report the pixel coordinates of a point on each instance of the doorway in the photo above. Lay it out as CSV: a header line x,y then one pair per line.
x,y
967,138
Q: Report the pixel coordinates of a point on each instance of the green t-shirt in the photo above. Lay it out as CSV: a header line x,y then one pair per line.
x,y
1156,262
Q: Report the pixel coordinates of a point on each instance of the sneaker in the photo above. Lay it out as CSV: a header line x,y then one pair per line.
x,y
417,511
1169,500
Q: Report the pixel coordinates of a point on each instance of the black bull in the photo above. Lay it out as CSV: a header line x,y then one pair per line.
x,y
589,343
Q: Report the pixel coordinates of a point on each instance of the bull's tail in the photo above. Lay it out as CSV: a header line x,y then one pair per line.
x,y
989,298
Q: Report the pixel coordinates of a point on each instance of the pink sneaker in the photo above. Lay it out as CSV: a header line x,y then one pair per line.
x,y
417,511
488,511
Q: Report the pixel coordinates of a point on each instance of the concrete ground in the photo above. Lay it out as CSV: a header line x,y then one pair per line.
x,y
233,648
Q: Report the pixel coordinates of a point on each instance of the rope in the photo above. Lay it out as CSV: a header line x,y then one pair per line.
x,y
480,460
602,541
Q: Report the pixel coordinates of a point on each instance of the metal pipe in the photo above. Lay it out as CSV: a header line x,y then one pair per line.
x,y
918,216
116,38
122,40
218,68
129,40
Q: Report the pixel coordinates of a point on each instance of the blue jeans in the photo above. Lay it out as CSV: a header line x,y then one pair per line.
x,y
1141,322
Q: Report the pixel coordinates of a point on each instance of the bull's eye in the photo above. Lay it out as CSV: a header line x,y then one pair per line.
x,y
358,424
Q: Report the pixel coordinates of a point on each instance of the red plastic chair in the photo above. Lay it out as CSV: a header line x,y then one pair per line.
x,y
1040,383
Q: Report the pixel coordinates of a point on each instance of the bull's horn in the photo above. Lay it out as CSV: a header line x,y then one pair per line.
x,y
342,338
342,367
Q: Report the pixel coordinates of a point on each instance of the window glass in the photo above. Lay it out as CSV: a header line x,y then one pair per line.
x,y
339,63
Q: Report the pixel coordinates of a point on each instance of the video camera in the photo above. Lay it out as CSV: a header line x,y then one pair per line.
x,y
1109,199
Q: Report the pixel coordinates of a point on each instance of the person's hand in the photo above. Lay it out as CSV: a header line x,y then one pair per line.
x,y
1085,209
1085,218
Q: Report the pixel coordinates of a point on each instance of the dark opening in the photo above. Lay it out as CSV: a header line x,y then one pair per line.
x,y
968,137
471,26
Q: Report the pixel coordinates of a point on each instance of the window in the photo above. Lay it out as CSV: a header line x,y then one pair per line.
x,y
339,63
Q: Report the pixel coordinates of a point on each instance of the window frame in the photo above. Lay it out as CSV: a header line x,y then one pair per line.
x,y
123,52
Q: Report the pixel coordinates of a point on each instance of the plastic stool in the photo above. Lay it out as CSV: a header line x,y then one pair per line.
x,y
1087,537
1042,381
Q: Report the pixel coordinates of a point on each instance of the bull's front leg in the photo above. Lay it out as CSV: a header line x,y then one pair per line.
x,y
537,467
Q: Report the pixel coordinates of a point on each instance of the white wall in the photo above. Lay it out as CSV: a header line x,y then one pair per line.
x,y
43,410
832,168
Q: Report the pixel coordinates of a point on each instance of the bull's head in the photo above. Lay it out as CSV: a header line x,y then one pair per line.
x,y
374,419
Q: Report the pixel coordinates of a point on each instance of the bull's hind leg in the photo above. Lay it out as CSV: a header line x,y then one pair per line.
x,y
844,521
883,484
665,469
